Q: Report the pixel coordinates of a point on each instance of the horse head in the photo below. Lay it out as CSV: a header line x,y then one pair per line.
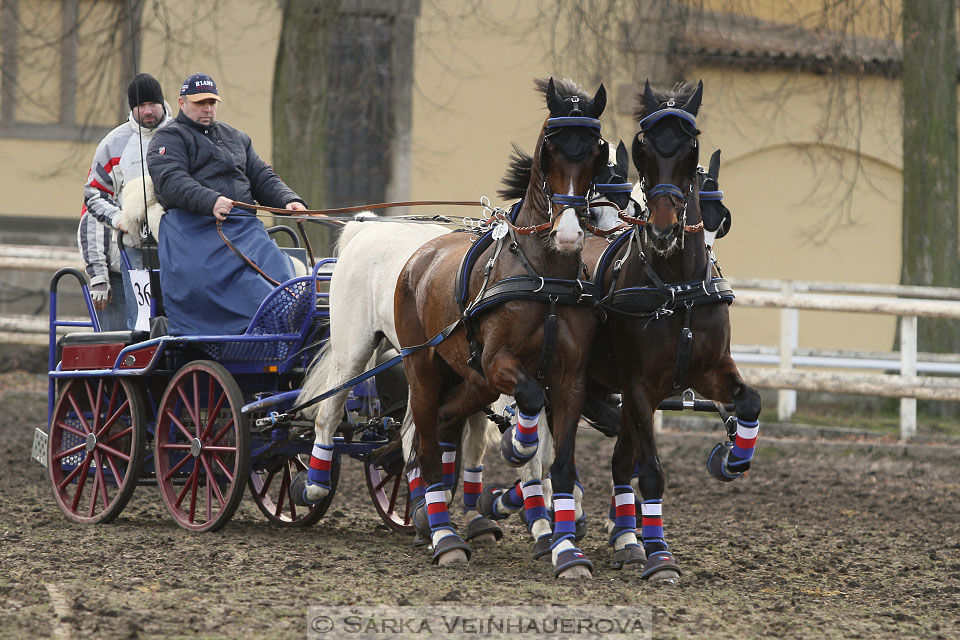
x,y
613,190
570,151
666,153
716,216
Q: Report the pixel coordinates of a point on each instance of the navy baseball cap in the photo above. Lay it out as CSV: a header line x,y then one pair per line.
x,y
199,87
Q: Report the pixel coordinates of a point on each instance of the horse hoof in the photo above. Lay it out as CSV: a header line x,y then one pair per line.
x,y
576,571
454,556
717,463
306,495
484,538
512,456
666,576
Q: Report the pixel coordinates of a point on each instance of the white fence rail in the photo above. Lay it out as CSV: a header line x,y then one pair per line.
x,y
906,302
790,297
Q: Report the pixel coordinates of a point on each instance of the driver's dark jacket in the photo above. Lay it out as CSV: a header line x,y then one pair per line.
x,y
191,165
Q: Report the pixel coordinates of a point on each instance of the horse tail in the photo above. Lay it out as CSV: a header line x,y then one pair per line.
x,y
317,378
350,230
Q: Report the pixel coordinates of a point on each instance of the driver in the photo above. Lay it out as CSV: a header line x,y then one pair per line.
x,y
198,166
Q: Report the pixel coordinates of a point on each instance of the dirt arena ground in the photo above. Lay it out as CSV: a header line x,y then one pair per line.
x,y
819,542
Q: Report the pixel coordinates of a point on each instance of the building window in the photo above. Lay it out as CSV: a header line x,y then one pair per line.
x,y
63,67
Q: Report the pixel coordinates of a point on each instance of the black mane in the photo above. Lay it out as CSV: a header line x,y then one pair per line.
x,y
565,87
517,178
681,93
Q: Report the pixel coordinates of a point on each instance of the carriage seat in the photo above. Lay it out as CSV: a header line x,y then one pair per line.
x,y
105,337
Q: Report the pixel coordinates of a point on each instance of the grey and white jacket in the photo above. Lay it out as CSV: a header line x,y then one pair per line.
x,y
120,157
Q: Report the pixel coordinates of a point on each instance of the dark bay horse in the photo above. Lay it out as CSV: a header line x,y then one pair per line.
x,y
668,327
529,323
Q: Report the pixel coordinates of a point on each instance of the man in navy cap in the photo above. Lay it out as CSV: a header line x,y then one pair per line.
x,y
199,167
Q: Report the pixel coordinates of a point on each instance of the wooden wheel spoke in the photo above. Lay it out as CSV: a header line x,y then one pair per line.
x,y
76,409
213,413
114,391
176,468
70,477
190,407
193,492
226,471
63,454
81,481
209,500
113,469
114,417
113,452
226,429
385,480
394,493
211,480
116,436
93,493
63,425
186,485
284,494
94,404
176,421
266,484
102,480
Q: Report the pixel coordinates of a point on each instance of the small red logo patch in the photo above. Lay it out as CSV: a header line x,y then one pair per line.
x,y
162,150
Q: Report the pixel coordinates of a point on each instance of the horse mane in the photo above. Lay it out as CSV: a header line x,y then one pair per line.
x,y
564,86
517,178
681,92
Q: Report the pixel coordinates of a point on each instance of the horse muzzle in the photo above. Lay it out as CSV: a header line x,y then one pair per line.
x,y
567,234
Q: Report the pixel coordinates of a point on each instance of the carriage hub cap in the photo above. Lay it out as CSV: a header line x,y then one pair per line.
x,y
91,442
195,447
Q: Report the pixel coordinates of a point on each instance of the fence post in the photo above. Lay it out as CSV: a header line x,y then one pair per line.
x,y
789,325
908,368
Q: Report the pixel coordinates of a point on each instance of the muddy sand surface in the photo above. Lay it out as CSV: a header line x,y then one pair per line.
x,y
828,544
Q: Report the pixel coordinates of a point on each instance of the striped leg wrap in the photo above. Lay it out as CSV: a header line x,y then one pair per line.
x,y
526,431
416,485
320,461
564,518
651,527
437,513
742,452
449,458
510,500
624,516
472,487
534,507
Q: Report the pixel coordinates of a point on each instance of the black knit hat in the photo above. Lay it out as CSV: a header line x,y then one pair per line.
x,y
144,88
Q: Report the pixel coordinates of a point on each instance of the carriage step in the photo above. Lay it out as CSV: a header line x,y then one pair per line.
x,y
39,453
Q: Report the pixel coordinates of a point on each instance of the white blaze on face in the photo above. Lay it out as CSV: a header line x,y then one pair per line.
x,y
567,234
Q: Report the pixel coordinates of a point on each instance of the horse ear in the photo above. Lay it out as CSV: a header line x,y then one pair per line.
x,y
599,102
554,101
622,157
638,154
650,103
602,158
714,170
693,104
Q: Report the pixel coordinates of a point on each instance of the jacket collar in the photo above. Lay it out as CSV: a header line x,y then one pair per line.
x,y
196,126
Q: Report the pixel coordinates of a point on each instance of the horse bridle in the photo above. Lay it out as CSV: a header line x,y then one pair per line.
x,y
580,204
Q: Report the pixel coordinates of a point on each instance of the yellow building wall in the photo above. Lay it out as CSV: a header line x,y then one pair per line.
x,y
787,178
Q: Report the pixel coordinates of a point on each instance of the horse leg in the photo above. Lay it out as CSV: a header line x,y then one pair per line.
x,y
480,529
638,421
627,552
340,360
520,442
568,560
728,462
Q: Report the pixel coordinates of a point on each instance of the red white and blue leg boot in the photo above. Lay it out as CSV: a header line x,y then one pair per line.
x,y
448,548
498,502
568,560
623,538
480,529
316,486
519,443
661,564
728,461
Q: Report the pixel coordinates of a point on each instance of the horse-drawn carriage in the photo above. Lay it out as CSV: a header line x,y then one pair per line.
x,y
128,409
204,416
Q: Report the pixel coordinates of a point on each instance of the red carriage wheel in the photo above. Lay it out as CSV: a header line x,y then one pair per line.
x,y
270,488
96,447
391,497
202,448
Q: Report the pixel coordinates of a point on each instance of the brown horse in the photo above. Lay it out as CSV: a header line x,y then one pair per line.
x,y
669,325
528,328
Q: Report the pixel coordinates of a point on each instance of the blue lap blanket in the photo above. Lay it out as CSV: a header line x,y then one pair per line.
x,y
207,289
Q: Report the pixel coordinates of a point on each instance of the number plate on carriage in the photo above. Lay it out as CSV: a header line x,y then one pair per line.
x,y
39,453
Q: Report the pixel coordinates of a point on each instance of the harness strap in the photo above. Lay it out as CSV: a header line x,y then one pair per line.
x,y
406,351
549,346
684,347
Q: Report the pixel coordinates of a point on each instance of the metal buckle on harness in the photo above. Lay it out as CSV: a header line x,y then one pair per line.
x,y
688,399
542,285
583,292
